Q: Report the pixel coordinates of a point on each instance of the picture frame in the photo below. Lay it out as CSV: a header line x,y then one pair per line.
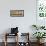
x,y
17,13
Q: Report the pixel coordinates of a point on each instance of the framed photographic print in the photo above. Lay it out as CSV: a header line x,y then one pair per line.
x,y
41,8
17,13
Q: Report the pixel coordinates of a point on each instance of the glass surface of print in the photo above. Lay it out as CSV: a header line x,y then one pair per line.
x,y
41,8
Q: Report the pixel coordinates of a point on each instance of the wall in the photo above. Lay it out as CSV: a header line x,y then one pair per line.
x,y
24,23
